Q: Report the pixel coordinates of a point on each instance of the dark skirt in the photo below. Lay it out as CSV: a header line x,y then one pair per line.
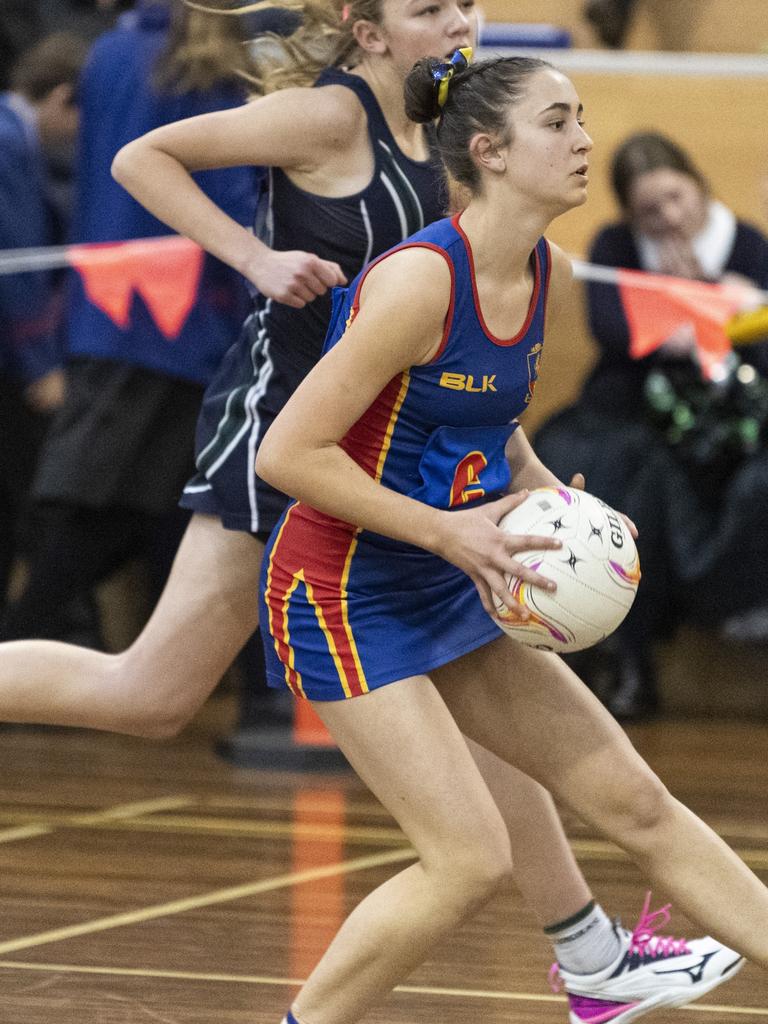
x,y
123,438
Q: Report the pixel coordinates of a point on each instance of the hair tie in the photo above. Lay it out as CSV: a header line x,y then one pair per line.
x,y
345,11
443,73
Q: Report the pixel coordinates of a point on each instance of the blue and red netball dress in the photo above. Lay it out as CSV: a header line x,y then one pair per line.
x,y
344,610
279,345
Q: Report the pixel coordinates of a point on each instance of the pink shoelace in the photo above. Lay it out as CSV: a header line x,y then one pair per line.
x,y
643,941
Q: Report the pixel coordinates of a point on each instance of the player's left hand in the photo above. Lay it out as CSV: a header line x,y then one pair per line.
x,y
578,483
472,540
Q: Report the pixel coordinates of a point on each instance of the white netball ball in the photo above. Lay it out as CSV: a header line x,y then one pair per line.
x,y
597,570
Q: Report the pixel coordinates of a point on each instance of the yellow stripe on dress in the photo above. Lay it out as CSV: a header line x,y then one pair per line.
x,y
274,624
405,381
345,616
385,446
292,675
332,649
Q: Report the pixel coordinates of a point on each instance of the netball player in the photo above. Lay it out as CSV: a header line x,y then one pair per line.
x,y
351,175
379,580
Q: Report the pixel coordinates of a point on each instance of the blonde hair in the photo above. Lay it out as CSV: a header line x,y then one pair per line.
x,y
324,38
202,53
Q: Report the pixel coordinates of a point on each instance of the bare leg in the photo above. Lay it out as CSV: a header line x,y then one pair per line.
x,y
399,738
206,613
530,709
546,872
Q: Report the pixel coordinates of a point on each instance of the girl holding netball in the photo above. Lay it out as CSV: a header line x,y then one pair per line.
x,y
378,585
351,176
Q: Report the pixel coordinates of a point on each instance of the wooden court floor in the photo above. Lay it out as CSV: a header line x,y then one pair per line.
x,y
152,883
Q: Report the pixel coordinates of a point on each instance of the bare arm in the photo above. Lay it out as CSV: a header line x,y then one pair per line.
x,y
560,285
404,303
282,129
526,469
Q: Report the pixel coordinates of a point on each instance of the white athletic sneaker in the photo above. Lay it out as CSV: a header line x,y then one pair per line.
x,y
651,971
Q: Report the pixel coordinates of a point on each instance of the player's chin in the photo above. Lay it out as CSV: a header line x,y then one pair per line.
x,y
575,196
578,194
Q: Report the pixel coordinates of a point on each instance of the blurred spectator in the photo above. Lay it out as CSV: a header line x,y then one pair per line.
x,y
121,447
40,112
611,20
88,18
686,458
20,27
23,23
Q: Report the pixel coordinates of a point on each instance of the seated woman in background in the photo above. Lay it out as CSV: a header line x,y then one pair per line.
x,y
684,457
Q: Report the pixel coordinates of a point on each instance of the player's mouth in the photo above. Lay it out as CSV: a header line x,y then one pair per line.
x,y
582,171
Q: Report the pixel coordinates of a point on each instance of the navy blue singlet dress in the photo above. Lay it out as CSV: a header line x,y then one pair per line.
x,y
344,610
279,344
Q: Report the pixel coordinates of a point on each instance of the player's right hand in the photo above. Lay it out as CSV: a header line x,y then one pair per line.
x,y
293,277
471,539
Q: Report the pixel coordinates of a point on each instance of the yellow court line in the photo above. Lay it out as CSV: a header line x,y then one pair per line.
x,y
584,849
11,835
113,814
204,825
208,899
135,809
598,849
235,827
128,817
534,997
260,804
425,990
739,829
729,829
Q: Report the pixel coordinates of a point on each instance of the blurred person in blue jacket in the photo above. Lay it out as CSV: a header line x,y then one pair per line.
x,y
121,446
38,114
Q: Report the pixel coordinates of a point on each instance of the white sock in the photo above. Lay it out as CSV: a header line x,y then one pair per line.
x,y
586,942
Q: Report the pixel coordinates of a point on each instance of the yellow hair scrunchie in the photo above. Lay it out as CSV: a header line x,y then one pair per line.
x,y
443,73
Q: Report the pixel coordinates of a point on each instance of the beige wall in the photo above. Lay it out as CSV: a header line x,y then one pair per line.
x,y
738,26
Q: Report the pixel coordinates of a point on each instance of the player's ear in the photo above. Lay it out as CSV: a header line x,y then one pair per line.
x,y
369,37
488,153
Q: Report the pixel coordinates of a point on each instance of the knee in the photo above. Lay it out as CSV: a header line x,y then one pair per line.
x,y
494,874
474,871
162,723
638,808
148,709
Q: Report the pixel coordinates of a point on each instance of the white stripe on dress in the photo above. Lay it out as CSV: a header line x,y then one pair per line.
x,y
407,184
397,204
368,231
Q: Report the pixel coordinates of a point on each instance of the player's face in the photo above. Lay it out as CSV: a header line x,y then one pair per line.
x,y
548,156
667,204
413,29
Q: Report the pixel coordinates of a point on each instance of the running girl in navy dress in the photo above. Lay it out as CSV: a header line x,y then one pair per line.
x,y
351,176
379,579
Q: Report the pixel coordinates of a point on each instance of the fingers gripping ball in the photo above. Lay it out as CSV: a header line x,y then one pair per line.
x,y
597,571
